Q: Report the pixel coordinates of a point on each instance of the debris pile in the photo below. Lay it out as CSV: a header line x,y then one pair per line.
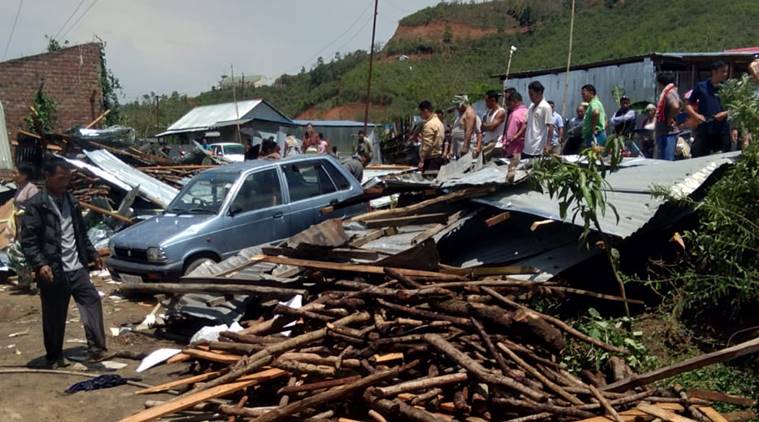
x,y
389,342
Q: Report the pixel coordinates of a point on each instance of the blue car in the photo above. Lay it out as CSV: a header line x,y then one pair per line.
x,y
228,208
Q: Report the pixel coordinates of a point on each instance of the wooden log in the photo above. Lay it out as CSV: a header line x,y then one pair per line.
x,y
188,401
105,212
422,384
722,397
740,416
212,356
332,394
724,355
712,414
605,403
358,268
556,322
474,367
179,288
265,356
394,408
415,208
290,389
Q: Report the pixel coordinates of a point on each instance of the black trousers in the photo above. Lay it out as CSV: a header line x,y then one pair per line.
x,y
710,138
55,303
433,163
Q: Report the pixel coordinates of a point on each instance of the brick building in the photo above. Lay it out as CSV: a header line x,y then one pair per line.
x,y
71,76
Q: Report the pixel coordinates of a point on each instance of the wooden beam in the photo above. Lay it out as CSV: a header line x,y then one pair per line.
x,y
662,414
724,355
212,356
178,383
721,397
188,401
239,289
105,212
99,118
497,219
358,268
435,218
712,414
415,208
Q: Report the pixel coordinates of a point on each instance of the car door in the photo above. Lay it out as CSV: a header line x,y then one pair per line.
x,y
256,215
310,189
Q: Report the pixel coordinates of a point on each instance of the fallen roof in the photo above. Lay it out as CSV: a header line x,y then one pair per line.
x,y
149,187
630,193
217,115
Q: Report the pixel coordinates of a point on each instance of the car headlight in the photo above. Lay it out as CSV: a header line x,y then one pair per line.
x,y
156,255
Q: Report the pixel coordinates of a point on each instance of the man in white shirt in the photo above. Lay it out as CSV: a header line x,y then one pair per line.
x,y
558,130
539,123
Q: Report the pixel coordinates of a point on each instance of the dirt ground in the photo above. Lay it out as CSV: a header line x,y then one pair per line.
x,y
41,397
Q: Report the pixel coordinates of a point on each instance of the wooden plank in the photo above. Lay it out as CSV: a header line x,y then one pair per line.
x,y
740,416
358,268
721,397
712,414
724,355
434,218
662,413
388,357
373,235
538,224
106,212
178,383
497,219
188,401
212,356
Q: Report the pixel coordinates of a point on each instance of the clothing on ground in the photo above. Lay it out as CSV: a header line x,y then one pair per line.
x,y
539,117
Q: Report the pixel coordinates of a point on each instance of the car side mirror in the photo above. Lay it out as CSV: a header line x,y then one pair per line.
x,y
234,210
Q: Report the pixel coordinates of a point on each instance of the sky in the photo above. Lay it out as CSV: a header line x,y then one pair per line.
x,y
186,45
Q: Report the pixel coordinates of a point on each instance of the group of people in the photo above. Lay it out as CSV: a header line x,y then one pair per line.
x,y
513,129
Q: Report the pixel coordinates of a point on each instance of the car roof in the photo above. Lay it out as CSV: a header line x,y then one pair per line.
x,y
252,164
225,143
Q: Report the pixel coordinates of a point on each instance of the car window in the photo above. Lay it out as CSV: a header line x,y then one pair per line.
x,y
204,194
234,149
307,180
340,181
259,190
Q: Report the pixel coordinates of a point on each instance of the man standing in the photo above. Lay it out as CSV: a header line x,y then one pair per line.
x,y
574,131
623,120
594,122
433,133
558,130
713,132
363,145
665,130
466,129
55,243
356,165
539,123
493,126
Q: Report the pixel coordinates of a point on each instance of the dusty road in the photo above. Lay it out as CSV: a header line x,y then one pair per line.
x,y
39,397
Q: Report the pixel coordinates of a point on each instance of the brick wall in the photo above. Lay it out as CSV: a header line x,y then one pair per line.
x,y
70,76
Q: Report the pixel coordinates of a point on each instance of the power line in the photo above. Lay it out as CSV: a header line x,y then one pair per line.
x,y
369,6
78,6
13,28
358,32
76,22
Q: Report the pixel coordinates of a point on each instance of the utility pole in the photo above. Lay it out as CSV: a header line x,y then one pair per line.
x,y
371,62
569,62
234,97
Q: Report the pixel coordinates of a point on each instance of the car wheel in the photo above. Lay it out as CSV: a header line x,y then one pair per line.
x,y
197,263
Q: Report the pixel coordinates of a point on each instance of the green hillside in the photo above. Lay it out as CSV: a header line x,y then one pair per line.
x,y
441,66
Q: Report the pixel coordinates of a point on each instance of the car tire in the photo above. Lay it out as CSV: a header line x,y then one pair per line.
x,y
195,263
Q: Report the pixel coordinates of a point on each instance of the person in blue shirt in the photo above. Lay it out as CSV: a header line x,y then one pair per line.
x,y
705,106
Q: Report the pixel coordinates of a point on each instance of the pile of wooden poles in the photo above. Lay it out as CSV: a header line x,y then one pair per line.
x,y
400,347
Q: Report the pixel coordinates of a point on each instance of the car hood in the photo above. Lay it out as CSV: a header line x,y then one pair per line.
x,y
161,230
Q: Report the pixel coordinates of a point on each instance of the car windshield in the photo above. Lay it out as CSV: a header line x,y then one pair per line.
x,y
233,149
204,194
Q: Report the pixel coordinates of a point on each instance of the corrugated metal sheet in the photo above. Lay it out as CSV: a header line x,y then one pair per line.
x,y
96,171
334,123
636,78
205,117
630,194
149,187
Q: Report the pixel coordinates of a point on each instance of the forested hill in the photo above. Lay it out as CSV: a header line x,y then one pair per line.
x,y
455,47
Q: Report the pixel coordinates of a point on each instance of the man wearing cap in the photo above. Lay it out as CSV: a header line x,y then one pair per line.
x,y
432,134
623,120
493,127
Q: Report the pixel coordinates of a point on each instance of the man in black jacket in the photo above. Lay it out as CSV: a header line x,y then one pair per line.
x,y
55,244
